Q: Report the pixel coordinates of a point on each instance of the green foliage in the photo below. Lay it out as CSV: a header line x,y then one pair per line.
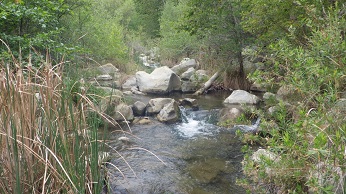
x,y
218,23
174,43
95,26
149,13
32,27
307,134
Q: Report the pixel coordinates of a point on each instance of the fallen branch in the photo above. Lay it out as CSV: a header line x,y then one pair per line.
x,y
207,84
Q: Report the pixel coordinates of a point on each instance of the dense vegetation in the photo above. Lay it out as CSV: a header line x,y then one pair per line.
x,y
301,44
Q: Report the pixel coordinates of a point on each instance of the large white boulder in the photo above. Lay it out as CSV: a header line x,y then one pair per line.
x,y
242,97
161,81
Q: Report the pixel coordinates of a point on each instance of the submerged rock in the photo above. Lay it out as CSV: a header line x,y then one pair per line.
x,y
207,171
142,121
228,115
190,102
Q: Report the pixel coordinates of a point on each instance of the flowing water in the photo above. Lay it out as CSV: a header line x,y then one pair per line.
x,y
191,157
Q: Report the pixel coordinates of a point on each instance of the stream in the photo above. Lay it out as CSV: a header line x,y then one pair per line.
x,y
191,157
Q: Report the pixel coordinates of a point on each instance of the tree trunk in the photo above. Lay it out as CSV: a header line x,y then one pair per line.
x,y
207,84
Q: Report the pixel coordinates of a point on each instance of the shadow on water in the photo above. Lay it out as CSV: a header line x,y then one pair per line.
x,y
198,158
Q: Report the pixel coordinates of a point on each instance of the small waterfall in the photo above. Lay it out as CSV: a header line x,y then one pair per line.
x,y
249,128
194,123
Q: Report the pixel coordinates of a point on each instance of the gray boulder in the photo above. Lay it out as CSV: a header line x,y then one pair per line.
x,y
170,113
229,115
189,87
288,93
184,65
188,73
135,90
161,81
257,87
249,67
109,103
139,108
129,83
242,97
190,102
199,76
105,80
155,105
123,112
108,68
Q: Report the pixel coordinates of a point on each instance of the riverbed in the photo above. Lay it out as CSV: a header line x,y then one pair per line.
x,y
190,157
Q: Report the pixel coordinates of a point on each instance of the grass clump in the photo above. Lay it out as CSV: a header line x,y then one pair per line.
x,y
46,145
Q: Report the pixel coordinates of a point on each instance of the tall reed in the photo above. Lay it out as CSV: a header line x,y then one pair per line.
x,y
46,145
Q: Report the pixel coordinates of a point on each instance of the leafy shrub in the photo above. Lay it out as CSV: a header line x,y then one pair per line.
x,y
310,137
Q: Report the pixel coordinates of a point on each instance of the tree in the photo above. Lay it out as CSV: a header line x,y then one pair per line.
x,y
270,20
149,13
32,24
174,43
218,23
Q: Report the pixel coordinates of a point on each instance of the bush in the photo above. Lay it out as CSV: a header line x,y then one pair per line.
x,y
310,138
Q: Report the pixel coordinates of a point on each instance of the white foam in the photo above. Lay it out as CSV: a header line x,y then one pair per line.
x,y
192,128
